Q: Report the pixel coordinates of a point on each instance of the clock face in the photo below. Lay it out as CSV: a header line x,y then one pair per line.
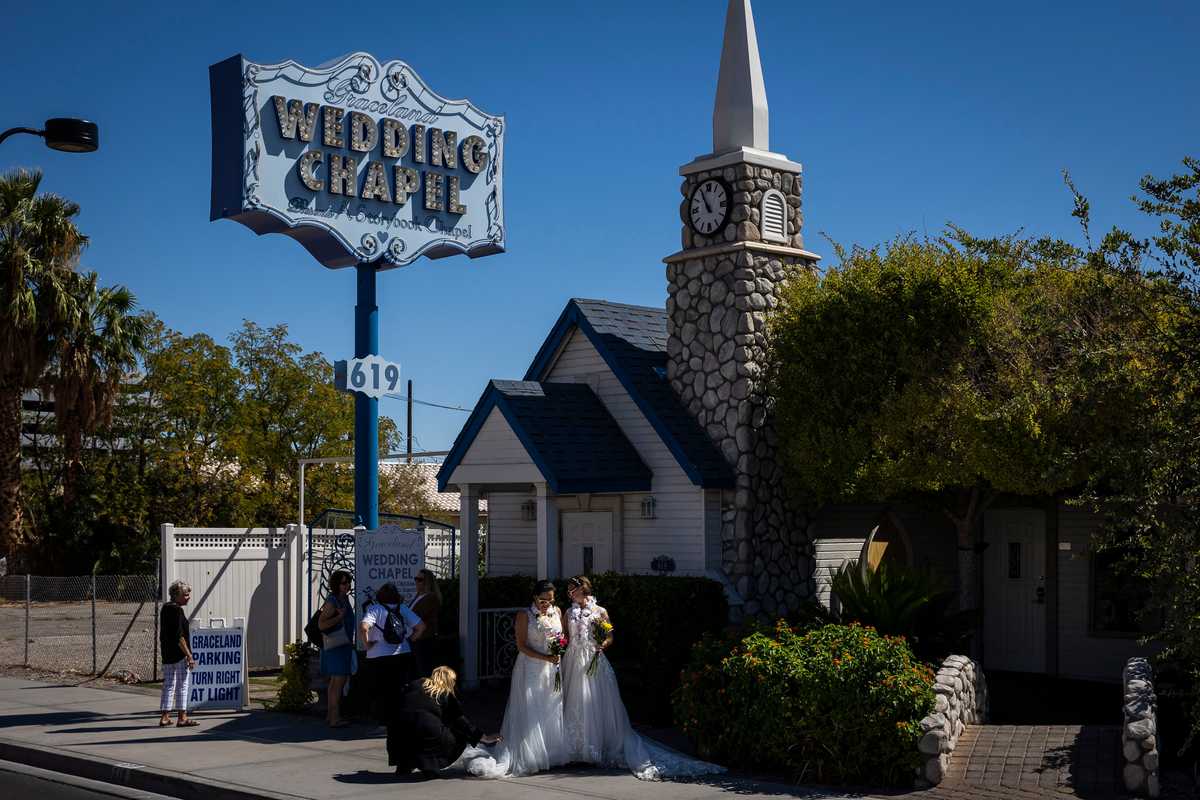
x,y
709,206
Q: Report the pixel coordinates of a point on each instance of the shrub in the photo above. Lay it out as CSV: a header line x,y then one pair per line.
x,y
657,620
294,692
838,704
902,601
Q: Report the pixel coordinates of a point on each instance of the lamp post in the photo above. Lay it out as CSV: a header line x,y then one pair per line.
x,y
64,134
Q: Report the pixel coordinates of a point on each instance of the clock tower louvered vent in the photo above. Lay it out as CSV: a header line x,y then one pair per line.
x,y
774,216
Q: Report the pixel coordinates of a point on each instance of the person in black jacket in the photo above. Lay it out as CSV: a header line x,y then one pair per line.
x,y
432,730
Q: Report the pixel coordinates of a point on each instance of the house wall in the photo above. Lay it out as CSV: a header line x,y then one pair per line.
x,y
512,541
839,533
678,529
1082,654
714,503
496,446
934,543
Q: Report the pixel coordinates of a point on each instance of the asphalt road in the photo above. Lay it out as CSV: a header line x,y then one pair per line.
x,y
20,782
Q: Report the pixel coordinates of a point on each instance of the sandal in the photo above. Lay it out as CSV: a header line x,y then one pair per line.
x,y
190,723
162,723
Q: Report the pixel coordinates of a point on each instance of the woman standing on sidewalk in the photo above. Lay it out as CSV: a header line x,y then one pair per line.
x,y
427,604
174,635
337,660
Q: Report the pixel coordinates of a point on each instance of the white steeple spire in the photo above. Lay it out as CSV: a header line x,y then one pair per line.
x,y
740,117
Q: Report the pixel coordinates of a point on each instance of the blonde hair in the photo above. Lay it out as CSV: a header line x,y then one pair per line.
x,y
440,683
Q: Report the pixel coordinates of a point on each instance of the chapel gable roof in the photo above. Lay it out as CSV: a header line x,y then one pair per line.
x,y
567,432
632,340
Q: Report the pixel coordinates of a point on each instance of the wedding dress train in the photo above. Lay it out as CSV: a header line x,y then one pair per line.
x,y
597,725
533,720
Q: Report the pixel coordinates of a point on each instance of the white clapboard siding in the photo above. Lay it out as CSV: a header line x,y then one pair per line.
x,y
1080,653
828,556
678,527
496,456
512,541
712,528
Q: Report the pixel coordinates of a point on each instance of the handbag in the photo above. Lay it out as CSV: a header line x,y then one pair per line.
x,y
335,638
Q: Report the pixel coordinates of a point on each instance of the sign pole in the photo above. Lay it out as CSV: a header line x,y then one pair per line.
x,y
366,409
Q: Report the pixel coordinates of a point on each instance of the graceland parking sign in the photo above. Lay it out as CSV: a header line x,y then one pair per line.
x,y
219,679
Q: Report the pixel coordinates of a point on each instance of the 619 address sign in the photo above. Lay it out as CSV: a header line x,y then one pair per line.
x,y
370,375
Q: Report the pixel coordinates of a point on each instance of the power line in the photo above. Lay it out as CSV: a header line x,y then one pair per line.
x,y
427,403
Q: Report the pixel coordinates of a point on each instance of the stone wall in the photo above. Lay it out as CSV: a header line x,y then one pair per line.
x,y
1139,734
717,307
961,700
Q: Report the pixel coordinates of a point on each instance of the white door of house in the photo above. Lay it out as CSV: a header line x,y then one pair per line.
x,y
587,542
1014,590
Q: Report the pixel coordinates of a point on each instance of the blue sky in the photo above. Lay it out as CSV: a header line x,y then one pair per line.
x,y
905,116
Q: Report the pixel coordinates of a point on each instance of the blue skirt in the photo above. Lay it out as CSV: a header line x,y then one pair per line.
x,y
338,661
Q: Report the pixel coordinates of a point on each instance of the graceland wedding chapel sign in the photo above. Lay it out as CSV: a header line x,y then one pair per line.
x,y
359,161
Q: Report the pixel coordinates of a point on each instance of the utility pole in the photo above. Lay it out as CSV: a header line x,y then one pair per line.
x,y
410,435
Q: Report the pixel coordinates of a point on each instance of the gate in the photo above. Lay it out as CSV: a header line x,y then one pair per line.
x,y
331,547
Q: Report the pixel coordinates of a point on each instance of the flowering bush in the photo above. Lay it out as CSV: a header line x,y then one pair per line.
x,y
838,704
294,692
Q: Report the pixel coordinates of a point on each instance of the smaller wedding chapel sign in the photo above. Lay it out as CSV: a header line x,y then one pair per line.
x,y
390,554
358,160
219,679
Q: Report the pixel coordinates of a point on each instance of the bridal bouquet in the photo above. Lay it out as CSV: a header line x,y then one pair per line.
x,y
556,645
601,629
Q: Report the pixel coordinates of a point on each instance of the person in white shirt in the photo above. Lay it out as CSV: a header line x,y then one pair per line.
x,y
385,629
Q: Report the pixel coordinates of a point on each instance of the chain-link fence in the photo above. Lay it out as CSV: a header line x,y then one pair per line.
x,y
88,624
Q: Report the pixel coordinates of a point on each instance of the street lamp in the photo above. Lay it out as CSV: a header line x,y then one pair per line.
x,y
65,134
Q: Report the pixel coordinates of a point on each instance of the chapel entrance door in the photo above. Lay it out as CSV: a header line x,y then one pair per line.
x,y
1014,585
587,542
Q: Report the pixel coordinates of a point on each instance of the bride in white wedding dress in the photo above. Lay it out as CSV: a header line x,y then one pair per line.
x,y
532,733
597,726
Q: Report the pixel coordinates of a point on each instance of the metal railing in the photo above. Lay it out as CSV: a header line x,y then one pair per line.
x,y
497,642
84,624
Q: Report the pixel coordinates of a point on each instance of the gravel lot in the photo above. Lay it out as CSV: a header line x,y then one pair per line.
x,y
60,637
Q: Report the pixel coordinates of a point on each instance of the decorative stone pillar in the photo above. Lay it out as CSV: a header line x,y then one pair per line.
x,y
720,291
741,242
1139,732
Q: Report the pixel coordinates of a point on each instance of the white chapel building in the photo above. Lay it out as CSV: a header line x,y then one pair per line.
x,y
640,439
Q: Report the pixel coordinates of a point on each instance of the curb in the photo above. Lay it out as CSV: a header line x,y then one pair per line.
x,y
133,776
94,788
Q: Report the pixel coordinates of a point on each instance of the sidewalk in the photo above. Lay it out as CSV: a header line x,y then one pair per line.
x,y
112,735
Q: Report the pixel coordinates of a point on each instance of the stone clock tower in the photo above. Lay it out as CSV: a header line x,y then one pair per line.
x,y
741,240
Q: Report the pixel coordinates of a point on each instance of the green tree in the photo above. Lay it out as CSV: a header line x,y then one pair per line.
x,y
913,370
288,410
92,360
188,409
39,248
1148,478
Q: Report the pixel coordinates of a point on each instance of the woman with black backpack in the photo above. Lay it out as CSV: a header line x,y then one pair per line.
x,y
385,629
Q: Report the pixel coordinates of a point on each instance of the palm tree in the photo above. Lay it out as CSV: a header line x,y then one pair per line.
x,y
39,248
92,358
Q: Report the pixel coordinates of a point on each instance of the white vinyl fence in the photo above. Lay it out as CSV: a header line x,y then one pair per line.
x,y
250,576
261,577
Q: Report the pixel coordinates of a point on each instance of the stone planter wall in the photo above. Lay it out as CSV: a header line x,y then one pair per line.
x,y
1139,734
961,701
